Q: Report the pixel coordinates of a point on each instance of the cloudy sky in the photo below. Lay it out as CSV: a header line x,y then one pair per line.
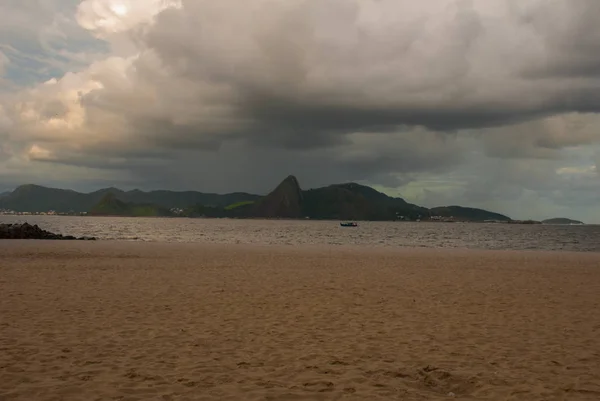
x,y
491,104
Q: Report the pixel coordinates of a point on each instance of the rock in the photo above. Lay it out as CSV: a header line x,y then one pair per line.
x,y
27,231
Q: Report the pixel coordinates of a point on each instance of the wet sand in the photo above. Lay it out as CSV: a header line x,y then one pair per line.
x,y
146,321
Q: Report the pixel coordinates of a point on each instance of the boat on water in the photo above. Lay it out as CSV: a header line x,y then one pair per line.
x,y
349,224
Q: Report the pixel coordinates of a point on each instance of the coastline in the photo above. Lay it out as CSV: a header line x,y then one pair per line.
x,y
104,247
178,321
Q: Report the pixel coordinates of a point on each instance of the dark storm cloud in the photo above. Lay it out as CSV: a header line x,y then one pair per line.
x,y
280,114
235,94
296,82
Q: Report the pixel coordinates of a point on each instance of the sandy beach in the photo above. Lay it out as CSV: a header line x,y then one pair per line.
x,y
156,321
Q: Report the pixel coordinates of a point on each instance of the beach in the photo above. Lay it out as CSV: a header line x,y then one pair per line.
x,y
111,320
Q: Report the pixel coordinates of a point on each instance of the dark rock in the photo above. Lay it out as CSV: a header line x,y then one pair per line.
x,y
28,231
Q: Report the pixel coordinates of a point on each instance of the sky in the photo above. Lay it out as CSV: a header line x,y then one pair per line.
x,y
492,104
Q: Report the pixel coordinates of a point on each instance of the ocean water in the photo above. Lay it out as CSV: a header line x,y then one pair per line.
x,y
293,232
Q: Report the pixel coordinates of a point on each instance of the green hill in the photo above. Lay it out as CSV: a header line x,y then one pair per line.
x,y
35,198
109,205
238,205
353,201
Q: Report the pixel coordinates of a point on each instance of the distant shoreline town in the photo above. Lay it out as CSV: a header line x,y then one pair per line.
x,y
180,213
8,212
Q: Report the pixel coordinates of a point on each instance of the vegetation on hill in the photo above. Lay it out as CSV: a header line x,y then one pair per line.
x,y
236,210
109,205
239,204
358,202
175,199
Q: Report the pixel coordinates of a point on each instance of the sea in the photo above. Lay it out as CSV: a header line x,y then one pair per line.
x,y
584,238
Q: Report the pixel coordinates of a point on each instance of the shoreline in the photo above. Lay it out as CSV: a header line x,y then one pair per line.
x,y
6,245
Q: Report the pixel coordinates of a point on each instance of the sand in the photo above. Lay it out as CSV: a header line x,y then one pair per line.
x,y
145,321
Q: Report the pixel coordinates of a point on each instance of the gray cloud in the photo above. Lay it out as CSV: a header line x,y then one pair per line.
x,y
283,73
520,187
541,139
3,62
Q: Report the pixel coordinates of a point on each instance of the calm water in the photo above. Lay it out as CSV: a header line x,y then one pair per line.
x,y
386,234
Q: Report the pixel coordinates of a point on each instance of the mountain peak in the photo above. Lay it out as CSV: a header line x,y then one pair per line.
x,y
284,201
109,205
109,190
28,187
291,179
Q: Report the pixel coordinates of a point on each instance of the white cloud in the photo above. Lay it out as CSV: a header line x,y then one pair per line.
x,y
106,17
37,153
588,171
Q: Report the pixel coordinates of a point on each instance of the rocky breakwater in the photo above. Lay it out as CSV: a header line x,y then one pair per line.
x,y
28,231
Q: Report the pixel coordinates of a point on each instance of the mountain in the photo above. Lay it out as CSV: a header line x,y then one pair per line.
x,y
285,201
109,205
348,201
467,213
35,198
3,194
353,201
561,221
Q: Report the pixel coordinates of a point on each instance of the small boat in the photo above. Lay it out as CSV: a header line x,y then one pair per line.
x,y
349,224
